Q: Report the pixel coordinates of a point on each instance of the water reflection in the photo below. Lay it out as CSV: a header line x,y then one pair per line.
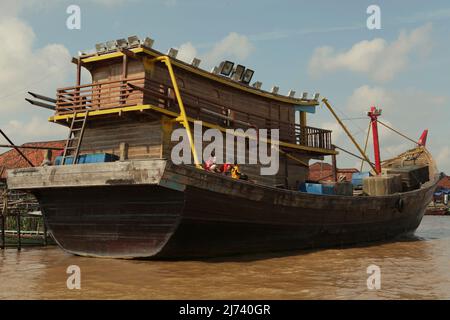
x,y
415,267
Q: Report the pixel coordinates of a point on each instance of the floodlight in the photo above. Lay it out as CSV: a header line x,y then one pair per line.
x,y
100,47
148,42
215,70
291,93
111,45
226,67
172,53
195,62
133,41
257,85
248,75
316,96
275,89
305,96
238,72
122,43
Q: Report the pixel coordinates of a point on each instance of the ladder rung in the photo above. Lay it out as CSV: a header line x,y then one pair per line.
x,y
71,148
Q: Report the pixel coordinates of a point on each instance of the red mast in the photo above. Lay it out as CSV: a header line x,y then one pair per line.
x,y
374,113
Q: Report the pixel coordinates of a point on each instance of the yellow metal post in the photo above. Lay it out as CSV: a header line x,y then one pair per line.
x,y
325,101
183,116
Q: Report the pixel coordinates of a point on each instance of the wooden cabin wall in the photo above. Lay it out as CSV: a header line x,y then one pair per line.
x,y
107,71
296,173
144,137
266,113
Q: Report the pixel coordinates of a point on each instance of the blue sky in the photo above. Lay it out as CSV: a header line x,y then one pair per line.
x,y
309,46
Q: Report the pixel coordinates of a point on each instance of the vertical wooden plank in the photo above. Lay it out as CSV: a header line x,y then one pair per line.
x,y
19,239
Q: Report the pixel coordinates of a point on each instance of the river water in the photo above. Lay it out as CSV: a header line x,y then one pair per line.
x,y
414,268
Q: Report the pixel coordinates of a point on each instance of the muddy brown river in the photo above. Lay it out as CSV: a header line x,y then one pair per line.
x,y
413,268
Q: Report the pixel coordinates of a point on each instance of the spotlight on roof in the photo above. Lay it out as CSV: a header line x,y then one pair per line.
x,y
122,43
291,93
248,75
148,42
172,53
238,72
133,41
215,70
316,96
226,67
275,89
196,62
305,95
257,85
111,45
100,47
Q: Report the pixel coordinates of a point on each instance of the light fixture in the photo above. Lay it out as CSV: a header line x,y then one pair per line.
x,y
316,96
238,72
148,42
100,47
111,45
291,93
275,89
172,53
122,43
226,67
215,70
305,96
195,62
248,75
133,41
257,85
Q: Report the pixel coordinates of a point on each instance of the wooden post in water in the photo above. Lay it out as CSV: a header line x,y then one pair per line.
x,y
3,231
19,239
45,232
3,216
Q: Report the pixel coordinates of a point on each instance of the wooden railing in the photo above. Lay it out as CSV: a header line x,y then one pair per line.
x,y
138,91
97,96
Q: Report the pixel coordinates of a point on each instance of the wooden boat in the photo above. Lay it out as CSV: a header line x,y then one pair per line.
x,y
144,205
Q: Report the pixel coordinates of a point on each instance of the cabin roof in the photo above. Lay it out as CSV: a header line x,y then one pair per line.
x,y
444,182
12,160
87,60
323,171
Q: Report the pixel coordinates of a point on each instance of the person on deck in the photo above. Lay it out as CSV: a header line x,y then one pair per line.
x,y
236,173
211,163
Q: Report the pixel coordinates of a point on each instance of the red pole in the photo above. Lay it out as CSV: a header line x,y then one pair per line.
x,y
373,114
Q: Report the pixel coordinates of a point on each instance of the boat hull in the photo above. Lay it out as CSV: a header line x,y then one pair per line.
x,y
182,212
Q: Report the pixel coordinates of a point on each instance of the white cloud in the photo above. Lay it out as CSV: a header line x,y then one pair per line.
x,y
377,58
24,68
443,159
234,45
187,52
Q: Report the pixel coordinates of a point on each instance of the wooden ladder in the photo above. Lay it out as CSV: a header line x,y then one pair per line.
x,y
73,142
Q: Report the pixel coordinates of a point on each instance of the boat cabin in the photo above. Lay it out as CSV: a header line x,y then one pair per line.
x,y
130,108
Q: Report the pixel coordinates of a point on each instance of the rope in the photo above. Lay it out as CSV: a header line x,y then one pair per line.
x,y
397,132
365,145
